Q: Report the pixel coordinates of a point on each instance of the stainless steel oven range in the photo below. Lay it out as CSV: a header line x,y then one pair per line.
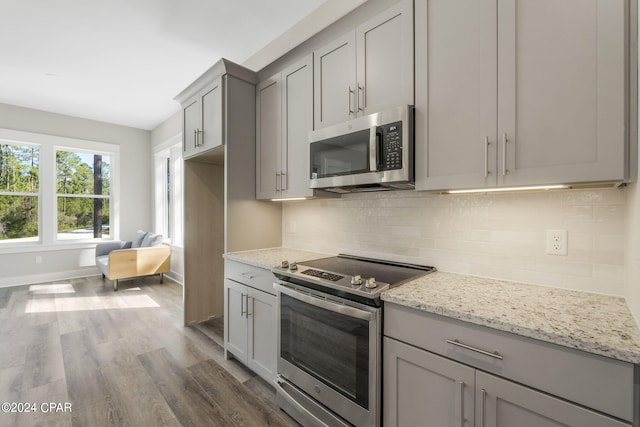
x,y
329,337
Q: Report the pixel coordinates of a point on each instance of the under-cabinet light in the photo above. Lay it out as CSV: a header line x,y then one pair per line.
x,y
494,190
288,199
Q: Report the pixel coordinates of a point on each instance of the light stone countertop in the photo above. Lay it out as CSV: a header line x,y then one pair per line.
x,y
594,323
272,257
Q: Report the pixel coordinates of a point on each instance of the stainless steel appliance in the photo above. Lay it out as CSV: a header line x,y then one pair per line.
x,y
370,153
329,337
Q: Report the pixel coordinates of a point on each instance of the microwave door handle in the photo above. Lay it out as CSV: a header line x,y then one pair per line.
x,y
373,149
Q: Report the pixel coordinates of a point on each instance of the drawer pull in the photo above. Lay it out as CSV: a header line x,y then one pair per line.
x,y
483,405
495,354
247,275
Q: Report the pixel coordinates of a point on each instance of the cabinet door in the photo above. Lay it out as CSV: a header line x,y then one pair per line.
x,y
235,321
212,115
191,125
297,121
268,137
501,403
456,94
561,105
262,338
385,60
334,68
422,389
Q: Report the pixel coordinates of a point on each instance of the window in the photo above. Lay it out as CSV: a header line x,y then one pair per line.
x,y
56,190
19,192
83,182
168,191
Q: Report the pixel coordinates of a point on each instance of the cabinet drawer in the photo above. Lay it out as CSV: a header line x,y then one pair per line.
x,y
256,277
597,382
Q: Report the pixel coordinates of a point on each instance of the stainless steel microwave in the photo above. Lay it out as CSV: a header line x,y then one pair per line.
x,y
369,153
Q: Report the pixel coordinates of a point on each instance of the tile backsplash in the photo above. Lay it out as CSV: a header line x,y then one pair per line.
x,y
501,236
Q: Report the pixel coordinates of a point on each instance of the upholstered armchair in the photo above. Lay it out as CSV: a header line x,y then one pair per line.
x,y
144,256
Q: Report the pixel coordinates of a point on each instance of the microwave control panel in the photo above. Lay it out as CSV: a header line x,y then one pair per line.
x,y
390,149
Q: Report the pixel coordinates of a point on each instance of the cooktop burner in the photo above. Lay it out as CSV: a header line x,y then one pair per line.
x,y
348,276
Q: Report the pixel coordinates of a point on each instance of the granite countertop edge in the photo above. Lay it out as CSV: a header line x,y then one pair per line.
x,y
271,257
629,353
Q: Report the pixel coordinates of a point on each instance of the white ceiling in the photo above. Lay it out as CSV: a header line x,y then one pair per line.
x,y
123,61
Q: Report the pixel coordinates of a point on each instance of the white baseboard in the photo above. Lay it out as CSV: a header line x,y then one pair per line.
x,y
30,279
7,282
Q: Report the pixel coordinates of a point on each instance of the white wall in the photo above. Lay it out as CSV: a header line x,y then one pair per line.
x,y
500,236
135,201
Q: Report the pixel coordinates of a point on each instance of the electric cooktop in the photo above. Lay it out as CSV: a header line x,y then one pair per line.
x,y
348,276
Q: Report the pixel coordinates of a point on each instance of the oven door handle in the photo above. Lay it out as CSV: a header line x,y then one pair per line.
x,y
325,304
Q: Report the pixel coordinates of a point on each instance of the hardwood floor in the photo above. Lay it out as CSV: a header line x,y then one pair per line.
x,y
120,359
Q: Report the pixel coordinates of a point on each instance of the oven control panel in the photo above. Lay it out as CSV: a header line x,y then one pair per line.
x,y
323,275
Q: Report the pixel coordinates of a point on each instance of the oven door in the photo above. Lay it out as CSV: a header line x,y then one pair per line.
x,y
330,350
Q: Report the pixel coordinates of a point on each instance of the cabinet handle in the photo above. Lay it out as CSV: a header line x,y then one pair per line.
x,y
495,354
360,105
486,156
247,300
483,403
277,181
351,92
504,154
242,304
283,181
461,384
247,275
196,138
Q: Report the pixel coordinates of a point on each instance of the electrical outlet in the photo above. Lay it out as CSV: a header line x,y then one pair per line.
x,y
38,259
557,242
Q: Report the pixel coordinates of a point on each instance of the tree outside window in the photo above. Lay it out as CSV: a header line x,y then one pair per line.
x,y
19,190
83,189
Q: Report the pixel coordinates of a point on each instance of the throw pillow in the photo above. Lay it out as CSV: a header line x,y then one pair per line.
x,y
137,241
152,239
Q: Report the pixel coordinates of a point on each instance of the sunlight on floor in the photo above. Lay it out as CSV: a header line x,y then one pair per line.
x,y
55,288
39,304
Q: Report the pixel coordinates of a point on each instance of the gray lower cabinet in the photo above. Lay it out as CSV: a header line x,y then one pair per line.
x,y
443,372
250,320
523,92
502,403
423,389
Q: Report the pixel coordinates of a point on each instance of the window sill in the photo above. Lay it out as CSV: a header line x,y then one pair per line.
x,y
17,248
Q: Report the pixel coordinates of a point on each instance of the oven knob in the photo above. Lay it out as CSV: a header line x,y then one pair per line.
x,y
356,280
293,266
371,283
284,264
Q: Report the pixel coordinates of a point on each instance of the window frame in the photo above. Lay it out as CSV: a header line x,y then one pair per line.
x,y
84,196
47,203
37,195
165,211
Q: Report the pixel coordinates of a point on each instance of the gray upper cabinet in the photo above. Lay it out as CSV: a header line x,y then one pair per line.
x,y
521,92
203,120
268,144
284,118
366,70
